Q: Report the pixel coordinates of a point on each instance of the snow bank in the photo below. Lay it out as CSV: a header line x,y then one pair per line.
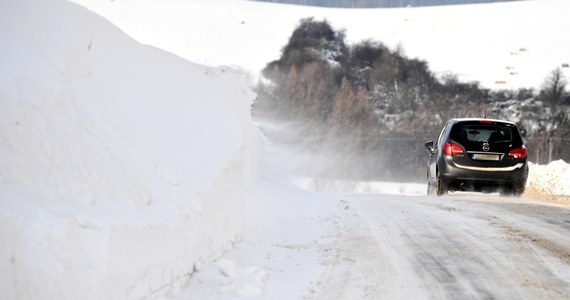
x,y
122,167
288,237
552,179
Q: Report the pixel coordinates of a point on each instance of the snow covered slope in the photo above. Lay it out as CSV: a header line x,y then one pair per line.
x,y
502,45
122,167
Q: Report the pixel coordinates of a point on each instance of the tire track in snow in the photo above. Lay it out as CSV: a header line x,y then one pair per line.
x,y
352,263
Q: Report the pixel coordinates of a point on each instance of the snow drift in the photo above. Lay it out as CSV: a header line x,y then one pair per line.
x,y
550,181
122,167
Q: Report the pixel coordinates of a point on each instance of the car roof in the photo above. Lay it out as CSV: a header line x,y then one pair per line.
x,y
458,120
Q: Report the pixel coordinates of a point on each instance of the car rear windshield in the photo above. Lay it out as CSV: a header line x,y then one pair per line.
x,y
479,132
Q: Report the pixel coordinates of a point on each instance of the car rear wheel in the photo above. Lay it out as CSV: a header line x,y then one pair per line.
x,y
518,190
441,187
515,190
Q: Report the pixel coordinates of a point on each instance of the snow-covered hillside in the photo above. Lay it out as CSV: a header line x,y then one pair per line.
x,y
501,45
122,166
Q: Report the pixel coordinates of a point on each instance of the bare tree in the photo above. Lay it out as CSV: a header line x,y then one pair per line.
x,y
553,88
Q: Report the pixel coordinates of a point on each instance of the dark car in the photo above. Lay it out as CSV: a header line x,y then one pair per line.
x,y
480,155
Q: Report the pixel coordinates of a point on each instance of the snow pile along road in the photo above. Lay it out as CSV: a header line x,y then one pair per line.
x,y
552,179
122,167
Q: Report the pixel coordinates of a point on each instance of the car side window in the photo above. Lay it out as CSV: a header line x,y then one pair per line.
x,y
441,134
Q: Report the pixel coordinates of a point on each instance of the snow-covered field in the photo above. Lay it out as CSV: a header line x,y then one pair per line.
x,y
501,45
125,167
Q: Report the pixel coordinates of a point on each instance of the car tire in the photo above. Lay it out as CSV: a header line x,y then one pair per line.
x,y
506,191
515,191
518,190
441,187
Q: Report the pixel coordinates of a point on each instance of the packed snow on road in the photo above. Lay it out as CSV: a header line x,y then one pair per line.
x,y
130,166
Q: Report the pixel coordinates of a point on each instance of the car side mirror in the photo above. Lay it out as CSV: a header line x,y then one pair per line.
x,y
429,146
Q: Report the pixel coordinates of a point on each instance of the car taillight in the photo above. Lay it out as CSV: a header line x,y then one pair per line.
x,y
518,153
451,149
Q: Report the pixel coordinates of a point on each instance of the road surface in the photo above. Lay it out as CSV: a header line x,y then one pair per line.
x,y
462,246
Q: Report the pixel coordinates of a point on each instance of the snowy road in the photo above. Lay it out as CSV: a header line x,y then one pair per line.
x,y
459,247
299,244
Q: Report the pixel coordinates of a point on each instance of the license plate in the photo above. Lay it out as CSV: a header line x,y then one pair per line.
x,y
492,157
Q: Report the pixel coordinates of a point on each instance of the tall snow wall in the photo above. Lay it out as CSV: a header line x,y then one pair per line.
x,y
122,168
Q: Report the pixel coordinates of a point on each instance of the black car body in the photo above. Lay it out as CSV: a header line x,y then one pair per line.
x,y
477,155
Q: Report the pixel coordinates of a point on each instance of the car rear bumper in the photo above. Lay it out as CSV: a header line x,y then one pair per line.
x,y
459,177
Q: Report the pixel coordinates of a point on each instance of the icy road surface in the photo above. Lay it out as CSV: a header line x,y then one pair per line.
x,y
304,245
459,247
